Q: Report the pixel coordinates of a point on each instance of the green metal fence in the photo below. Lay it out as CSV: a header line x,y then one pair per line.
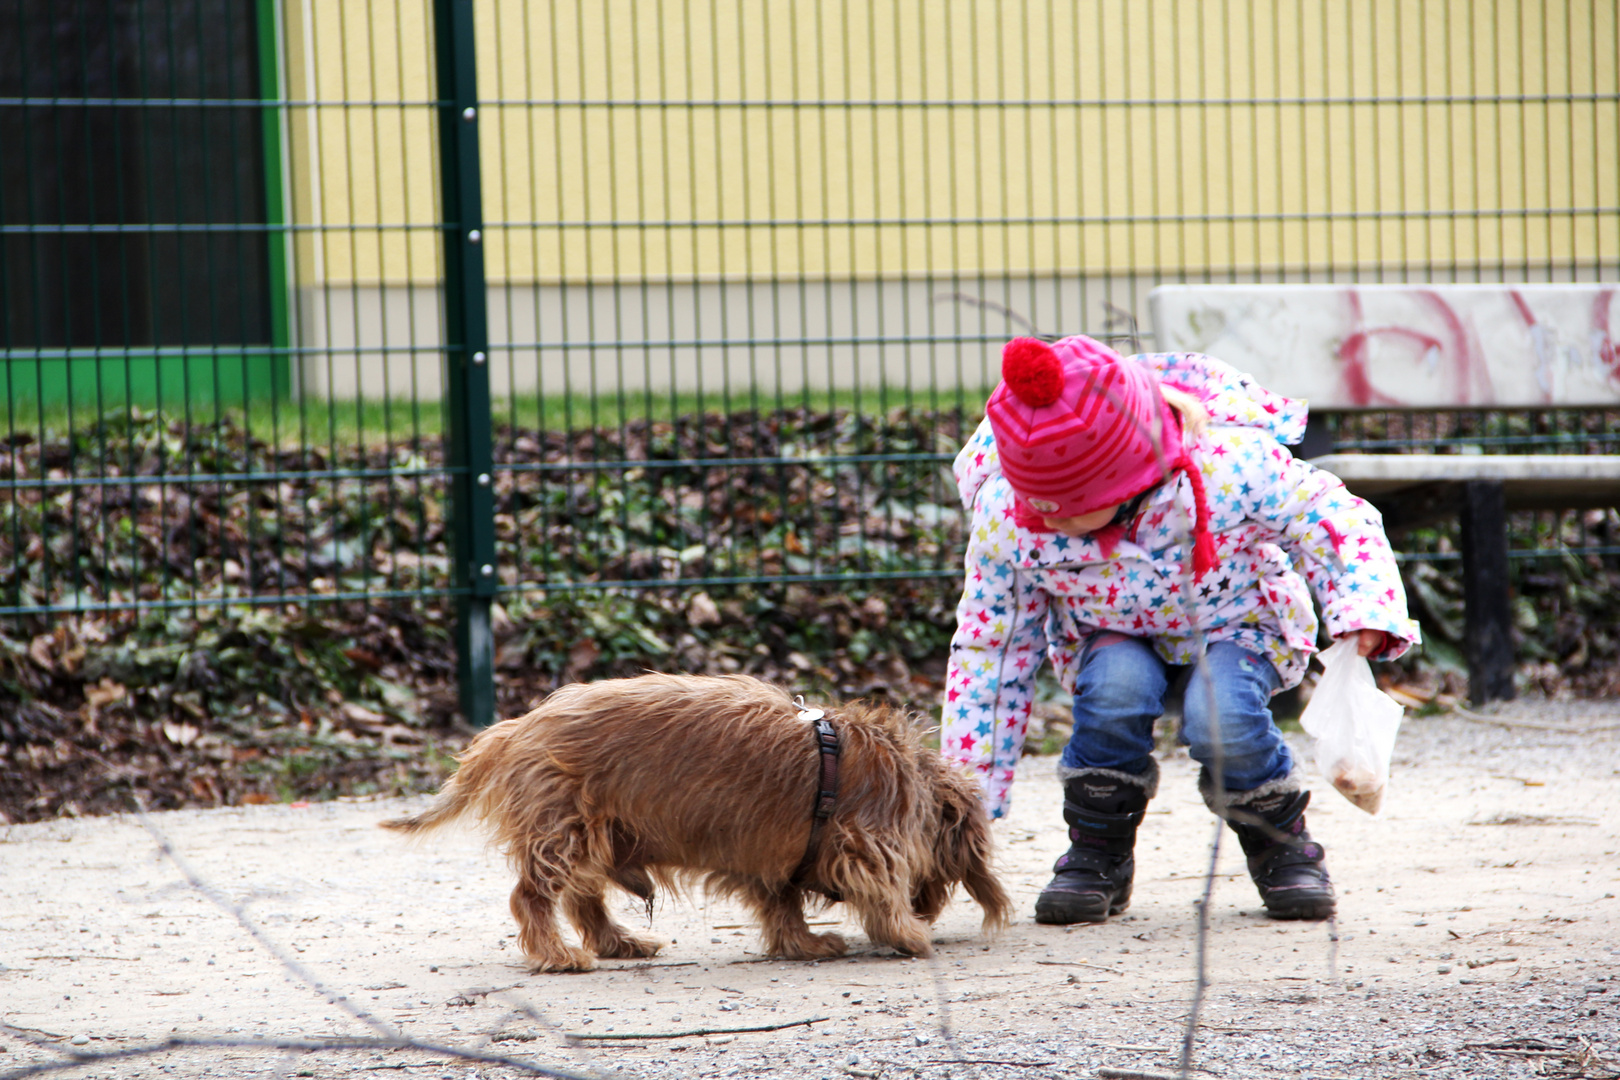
x,y
310,303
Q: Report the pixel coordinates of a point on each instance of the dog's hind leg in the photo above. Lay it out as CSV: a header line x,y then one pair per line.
x,y
534,906
599,932
544,869
780,911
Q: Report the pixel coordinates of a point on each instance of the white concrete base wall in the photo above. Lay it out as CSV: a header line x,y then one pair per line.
x,y
911,336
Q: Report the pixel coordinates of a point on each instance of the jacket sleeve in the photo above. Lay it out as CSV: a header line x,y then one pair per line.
x,y
1338,542
998,646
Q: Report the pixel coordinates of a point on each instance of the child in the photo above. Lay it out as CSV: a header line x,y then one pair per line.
x,y
1121,509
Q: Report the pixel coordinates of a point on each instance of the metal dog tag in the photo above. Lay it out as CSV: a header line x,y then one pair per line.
x,y
806,713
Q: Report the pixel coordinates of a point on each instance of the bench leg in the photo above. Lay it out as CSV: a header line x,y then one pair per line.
x,y
1488,636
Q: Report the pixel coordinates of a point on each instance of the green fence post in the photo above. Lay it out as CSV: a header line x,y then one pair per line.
x,y
466,326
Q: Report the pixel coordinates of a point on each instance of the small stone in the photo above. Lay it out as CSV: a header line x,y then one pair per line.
x,y
921,1040
80,1040
1445,969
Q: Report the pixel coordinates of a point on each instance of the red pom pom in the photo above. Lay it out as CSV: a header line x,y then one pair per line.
x,y
1032,371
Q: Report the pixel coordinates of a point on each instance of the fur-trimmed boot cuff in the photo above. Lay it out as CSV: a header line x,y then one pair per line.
x,y
1260,800
1148,781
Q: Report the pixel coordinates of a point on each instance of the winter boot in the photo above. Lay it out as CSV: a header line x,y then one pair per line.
x,y
1285,863
1093,878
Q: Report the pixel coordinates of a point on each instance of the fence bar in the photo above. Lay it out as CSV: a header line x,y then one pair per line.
x,y
468,439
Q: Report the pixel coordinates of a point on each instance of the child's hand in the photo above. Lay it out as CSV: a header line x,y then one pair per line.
x,y
1369,642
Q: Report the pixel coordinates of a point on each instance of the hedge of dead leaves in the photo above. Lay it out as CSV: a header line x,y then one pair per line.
x,y
219,705
213,704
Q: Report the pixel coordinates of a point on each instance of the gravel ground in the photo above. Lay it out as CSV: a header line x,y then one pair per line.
x,y
1477,937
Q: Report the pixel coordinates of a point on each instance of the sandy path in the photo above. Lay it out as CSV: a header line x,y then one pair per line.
x,y
1479,935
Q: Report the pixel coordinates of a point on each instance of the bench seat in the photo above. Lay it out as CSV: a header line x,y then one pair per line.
x,y
1404,485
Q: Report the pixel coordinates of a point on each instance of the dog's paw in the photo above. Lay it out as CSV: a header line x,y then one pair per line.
x,y
563,958
921,950
630,947
814,947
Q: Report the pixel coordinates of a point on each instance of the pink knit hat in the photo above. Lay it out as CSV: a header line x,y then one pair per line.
x,y
1079,428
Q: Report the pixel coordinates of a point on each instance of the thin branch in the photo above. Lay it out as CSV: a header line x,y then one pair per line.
x,y
1118,316
999,309
181,1042
304,974
1528,725
1080,963
991,1061
574,1036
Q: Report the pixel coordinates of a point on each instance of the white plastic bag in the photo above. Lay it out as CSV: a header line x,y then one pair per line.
x,y
1354,723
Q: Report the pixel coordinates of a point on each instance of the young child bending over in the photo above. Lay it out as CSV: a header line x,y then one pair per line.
x,y
1123,509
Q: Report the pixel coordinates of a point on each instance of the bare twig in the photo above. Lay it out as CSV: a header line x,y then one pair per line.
x,y
89,956
1217,770
1118,316
389,1037
999,309
576,1036
1557,729
1080,963
304,974
179,1042
991,1061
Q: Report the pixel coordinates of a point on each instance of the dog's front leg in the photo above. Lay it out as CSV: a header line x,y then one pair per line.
x,y
888,920
780,912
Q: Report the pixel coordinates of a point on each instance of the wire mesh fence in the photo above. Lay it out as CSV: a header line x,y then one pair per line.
x,y
419,301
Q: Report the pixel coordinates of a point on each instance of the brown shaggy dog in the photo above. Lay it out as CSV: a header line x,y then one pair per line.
x,y
670,779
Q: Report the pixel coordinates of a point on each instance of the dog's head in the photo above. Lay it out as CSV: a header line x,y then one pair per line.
x,y
961,847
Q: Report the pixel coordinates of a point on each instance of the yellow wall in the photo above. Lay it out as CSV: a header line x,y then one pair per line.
x,y
359,172
894,130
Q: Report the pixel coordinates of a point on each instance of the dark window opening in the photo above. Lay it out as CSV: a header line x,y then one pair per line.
x,y
123,193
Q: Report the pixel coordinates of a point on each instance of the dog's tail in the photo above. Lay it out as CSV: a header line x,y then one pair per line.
x,y
465,790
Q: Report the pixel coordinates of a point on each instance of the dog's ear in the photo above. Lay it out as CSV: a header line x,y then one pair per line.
x,y
964,846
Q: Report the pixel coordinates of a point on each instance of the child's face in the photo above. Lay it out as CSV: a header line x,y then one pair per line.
x,y
1082,524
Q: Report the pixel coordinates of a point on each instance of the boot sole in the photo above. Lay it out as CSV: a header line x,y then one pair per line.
x,y
1316,911
1069,912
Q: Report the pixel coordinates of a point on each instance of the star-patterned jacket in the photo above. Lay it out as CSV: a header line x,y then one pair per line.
x,y
1281,528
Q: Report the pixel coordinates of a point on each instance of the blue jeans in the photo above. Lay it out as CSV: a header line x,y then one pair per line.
x,y
1119,693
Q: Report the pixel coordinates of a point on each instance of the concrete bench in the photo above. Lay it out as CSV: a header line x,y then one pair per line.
x,y
1429,347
